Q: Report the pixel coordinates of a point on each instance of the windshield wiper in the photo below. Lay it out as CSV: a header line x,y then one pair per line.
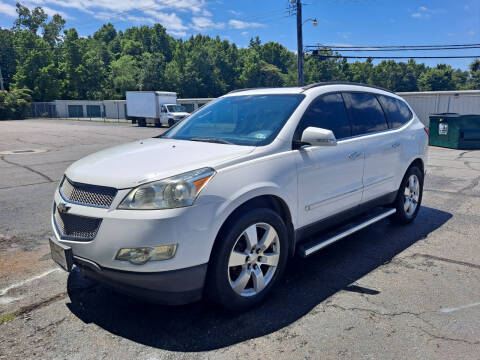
x,y
216,141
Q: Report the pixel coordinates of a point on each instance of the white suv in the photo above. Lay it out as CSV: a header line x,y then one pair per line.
x,y
218,203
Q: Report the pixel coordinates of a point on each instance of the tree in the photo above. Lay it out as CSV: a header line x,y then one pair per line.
x,y
52,30
29,20
152,72
106,33
14,104
39,55
475,75
436,79
71,60
123,76
8,56
35,67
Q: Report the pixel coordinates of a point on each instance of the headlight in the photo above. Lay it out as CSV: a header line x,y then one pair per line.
x,y
177,191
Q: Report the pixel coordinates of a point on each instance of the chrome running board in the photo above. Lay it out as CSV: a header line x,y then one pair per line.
x,y
331,237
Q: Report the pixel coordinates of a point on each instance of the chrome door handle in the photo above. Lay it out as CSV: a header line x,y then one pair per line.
x,y
396,145
354,155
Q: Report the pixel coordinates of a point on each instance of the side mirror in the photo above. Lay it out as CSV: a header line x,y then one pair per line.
x,y
318,137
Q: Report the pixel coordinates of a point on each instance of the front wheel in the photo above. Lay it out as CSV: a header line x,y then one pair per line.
x,y
248,260
409,197
171,122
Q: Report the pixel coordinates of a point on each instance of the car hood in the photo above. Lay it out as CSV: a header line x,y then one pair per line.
x,y
142,161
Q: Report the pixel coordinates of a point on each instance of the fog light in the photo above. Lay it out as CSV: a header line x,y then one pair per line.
x,y
141,255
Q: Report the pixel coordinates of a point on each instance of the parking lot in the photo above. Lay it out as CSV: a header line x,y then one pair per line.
x,y
386,292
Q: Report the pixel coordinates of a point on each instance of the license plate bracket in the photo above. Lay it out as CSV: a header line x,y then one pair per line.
x,y
61,254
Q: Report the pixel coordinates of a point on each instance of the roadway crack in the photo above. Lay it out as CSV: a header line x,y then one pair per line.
x,y
383,314
35,306
472,185
27,168
451,261
446,338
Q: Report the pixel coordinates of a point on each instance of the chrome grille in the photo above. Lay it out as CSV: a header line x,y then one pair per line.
x,y
74,227
91,195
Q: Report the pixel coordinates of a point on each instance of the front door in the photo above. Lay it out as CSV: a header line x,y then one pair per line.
x,y
329,177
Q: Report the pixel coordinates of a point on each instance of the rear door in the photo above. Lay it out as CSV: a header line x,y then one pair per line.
x,y
329,177
382,148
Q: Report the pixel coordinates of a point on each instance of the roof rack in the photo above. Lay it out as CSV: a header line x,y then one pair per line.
x,y
245,89
263,87
344,83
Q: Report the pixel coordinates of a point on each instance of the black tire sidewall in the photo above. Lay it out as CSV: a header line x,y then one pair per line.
x,y
218,285
400,216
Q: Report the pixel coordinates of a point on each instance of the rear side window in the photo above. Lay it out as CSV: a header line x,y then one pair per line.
x,y
366,114
326,112
397,111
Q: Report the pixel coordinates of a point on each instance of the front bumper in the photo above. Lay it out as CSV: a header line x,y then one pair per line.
x,y
192,228
175,287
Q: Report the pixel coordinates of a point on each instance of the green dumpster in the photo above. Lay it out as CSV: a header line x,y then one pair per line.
x,y
455,131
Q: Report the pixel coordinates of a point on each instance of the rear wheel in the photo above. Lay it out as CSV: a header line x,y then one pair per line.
x,y
248,260
142,122
409,197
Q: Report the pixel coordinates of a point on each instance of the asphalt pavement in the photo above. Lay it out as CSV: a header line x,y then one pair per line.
x,y
386,292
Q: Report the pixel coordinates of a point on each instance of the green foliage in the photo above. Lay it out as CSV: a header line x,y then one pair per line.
x,y
39,55
29,20
14,104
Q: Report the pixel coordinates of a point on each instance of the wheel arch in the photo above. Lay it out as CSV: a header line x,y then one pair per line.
x,y
270,201
418,162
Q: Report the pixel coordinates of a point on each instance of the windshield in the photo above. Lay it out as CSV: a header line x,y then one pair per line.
x,y
175,108
252,120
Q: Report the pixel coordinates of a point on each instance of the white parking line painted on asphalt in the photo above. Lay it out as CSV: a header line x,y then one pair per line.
x,y
23,282
447,310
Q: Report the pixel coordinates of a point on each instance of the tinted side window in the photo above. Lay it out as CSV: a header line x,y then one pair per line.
x,y
396,111
366,114
326,112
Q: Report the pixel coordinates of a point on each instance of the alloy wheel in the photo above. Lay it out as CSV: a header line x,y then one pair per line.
x,y
412,193
254,259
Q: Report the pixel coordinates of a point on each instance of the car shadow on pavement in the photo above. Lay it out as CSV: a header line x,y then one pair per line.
x,y
307,283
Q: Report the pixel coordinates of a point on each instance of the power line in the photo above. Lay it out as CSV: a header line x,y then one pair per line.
x,y
399,57
405,49
389,46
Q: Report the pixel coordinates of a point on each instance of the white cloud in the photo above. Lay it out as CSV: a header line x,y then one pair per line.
x,y
7,9
203,23
237,24
234,12
425,13
471,33
171,21
244,33
50,12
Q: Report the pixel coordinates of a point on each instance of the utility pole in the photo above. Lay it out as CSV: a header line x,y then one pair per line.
x,y
1,80
299,42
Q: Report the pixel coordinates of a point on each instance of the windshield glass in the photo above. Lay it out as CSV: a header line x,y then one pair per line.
x,y
175,108
252,120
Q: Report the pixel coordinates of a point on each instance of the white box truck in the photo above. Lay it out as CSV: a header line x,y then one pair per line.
x,y
154,107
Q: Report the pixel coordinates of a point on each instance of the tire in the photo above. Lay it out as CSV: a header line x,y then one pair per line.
x,y
142,122
409,197
227,269
158,123
171,122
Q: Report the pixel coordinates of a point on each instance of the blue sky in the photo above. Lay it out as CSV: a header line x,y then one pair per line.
x,y
348,22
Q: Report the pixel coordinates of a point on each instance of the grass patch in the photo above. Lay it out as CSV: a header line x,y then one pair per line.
x,y
7,317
